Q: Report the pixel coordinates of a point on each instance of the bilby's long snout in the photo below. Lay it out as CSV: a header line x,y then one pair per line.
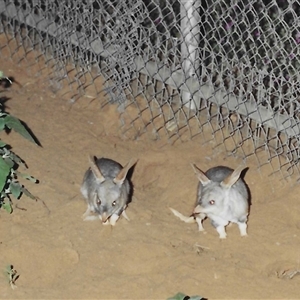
x,y
198,209
104,217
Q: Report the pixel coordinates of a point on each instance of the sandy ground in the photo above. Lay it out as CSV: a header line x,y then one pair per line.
x,y
154,255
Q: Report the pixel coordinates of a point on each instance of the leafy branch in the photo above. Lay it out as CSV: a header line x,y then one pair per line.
x,y
12,275
9,161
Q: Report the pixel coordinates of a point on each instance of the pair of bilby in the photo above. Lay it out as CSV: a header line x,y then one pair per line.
x,y
222,195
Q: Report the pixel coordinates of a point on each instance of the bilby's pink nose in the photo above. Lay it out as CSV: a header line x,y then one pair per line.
x,y
104,217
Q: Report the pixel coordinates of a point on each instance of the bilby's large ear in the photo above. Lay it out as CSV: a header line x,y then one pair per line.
x,y
95,169
230,180
119,179
200,175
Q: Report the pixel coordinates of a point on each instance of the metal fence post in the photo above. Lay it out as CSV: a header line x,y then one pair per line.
x,y
190,32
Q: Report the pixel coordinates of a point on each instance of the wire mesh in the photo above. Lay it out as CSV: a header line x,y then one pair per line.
x,y
228,70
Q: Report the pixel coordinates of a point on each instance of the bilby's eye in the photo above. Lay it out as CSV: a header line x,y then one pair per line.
x,y
98,202
114,203
212,202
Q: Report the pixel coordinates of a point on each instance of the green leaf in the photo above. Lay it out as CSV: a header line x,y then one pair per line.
x,y
9,161
26,176
16,189
178,296
15,124
17,159
181,296
2,123
7,206
28,194
2,144
4,172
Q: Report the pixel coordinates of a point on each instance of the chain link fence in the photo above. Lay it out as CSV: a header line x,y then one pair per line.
x,y
225,70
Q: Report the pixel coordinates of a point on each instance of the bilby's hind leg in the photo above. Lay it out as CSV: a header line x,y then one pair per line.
x,y
221,231
243,228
